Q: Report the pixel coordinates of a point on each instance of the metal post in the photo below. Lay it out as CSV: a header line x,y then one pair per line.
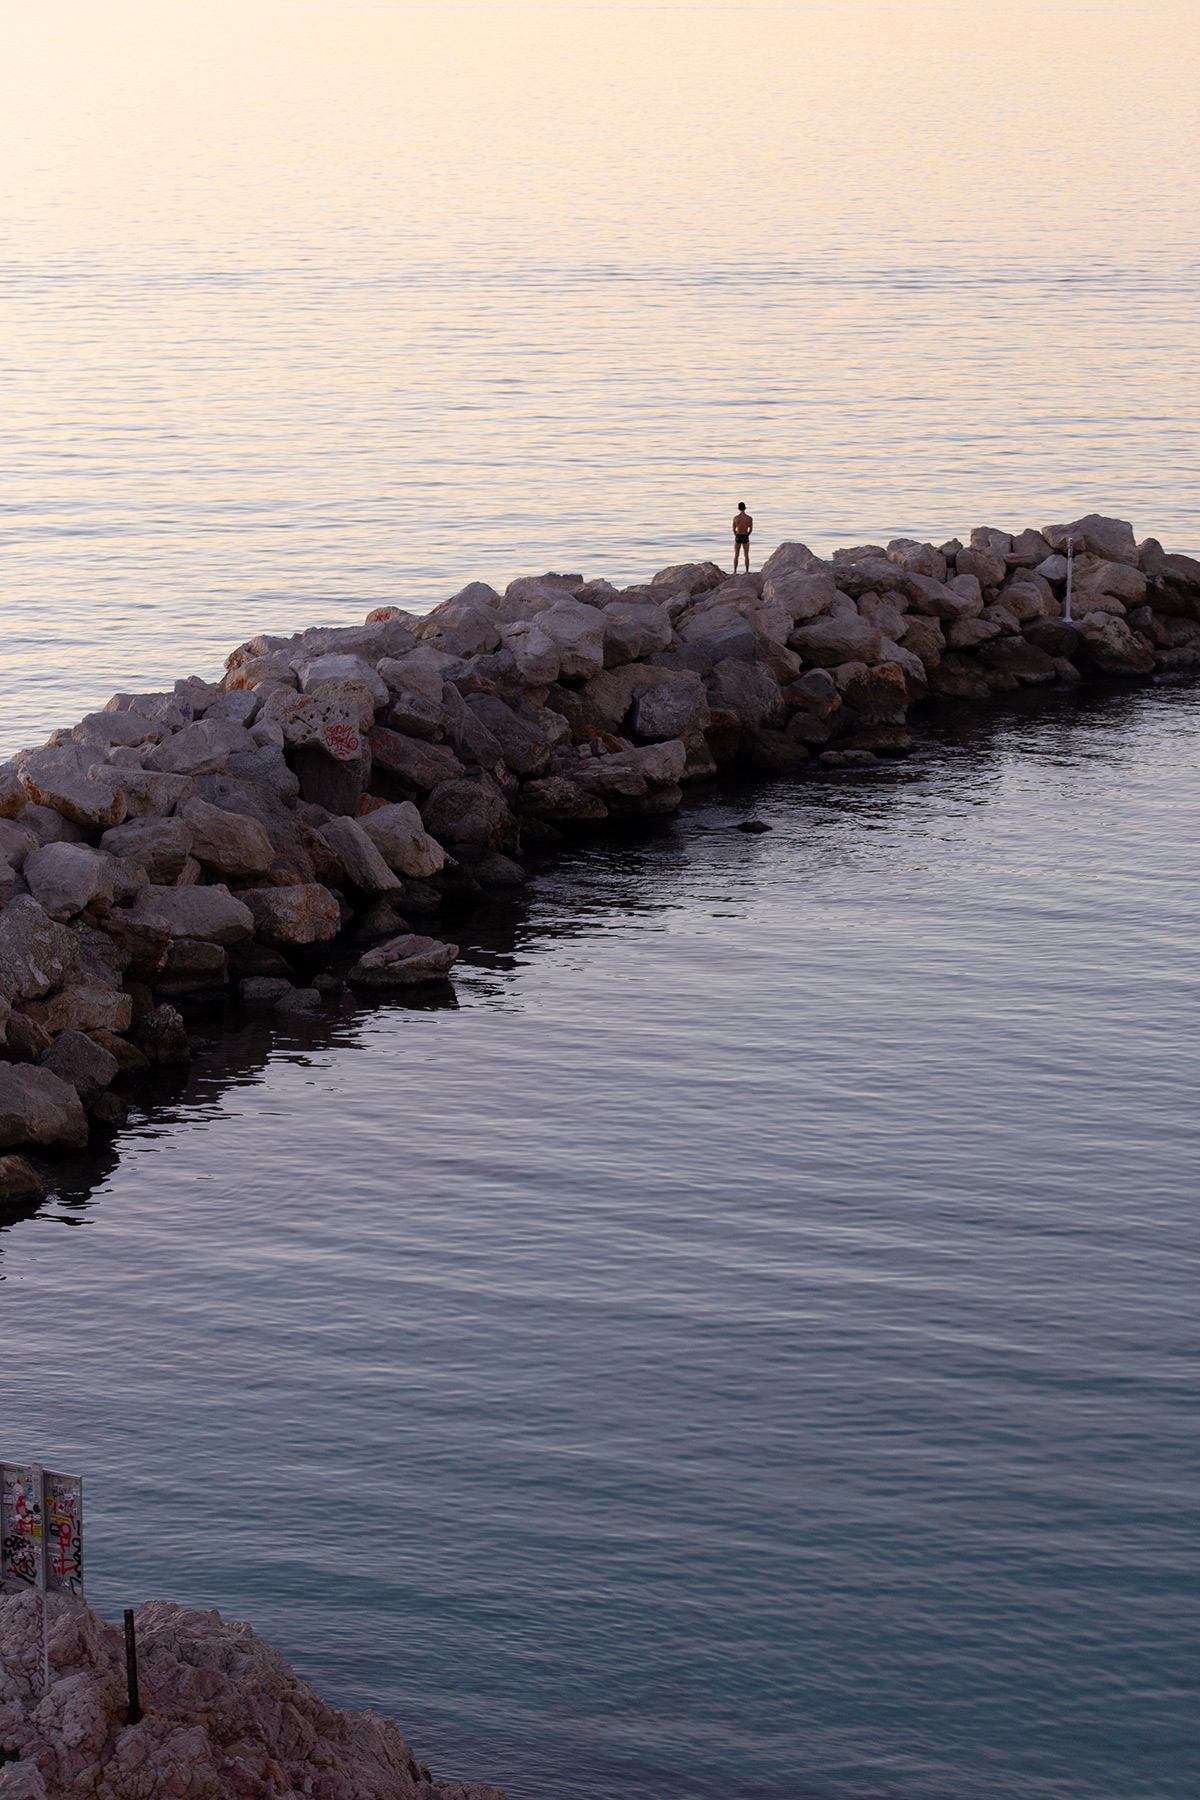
x,y
41,1551
134,1712
1070,573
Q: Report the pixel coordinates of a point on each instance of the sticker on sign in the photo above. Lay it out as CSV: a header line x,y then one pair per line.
x,y
41,1529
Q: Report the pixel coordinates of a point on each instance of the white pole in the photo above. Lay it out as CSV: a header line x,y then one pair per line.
x,y
1070,573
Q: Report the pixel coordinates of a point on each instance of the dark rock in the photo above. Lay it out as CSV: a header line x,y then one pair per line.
x,y
466,812
110,1111
958,678
524,748
127,1056
329,782
80,1060
38,1107
26,1040
192,967
774,752
381,921
1032,666
723,733
1054,637
252,958
161,1036
19,1183
411,767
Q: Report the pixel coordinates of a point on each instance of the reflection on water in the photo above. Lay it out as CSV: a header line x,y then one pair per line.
x,y
746,1348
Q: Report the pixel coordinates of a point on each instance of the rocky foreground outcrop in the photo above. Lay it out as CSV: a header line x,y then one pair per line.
x,y
338,790
225,1717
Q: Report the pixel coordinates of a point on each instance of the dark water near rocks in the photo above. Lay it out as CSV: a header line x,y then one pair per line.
x,y
748,1347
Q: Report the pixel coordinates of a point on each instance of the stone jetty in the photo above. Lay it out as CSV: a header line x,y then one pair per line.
x,y
338,793
225,1717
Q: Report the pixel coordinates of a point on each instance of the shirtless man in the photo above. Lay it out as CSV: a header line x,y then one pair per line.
x,y
743,525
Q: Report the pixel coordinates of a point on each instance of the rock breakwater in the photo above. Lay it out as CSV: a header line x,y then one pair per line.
x,y
316,815
225,1717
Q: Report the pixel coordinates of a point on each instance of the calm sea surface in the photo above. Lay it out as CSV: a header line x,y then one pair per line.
x,y
748,1348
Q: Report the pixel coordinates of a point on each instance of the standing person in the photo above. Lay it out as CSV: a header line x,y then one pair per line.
x,y
743,525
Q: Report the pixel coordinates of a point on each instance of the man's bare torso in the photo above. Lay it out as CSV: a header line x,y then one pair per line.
x,y
743,524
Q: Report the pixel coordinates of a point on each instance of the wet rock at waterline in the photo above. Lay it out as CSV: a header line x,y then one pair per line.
x,y
231,838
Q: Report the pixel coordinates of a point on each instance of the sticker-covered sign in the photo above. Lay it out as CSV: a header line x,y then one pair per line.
x,y
41,1528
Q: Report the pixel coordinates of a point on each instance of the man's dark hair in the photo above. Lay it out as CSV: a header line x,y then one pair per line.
x,y
741,506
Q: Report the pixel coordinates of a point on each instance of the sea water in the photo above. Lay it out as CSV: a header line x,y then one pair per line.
x,y
746,1346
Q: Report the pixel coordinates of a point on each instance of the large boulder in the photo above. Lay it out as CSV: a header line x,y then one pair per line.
x,y
879,693
674,709
1098,575
688,578
1018,656
1175,577
523,746
86,1065
1057,637
466,732
411,765
462,628
633,629
800,594
82,1006
828,642
577,631
102,730
193,967
321,670
306,913
199,749
968,634
917,558
925,638
468,812
537,655
1111,539
987,566
748,690
792,559
332,719
20,1185
867,570
402,840
359,856
962,599
211,914
16,841
39,1107
234,844
140,945
1112,648
65,878
62,779
35,951
640,776
556,798
405,961
160,846
609,695
146,793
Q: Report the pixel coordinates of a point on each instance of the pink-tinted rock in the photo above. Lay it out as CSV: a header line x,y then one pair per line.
x,y
304,914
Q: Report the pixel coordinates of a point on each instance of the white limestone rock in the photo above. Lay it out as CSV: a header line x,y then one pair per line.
x,y
402,840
